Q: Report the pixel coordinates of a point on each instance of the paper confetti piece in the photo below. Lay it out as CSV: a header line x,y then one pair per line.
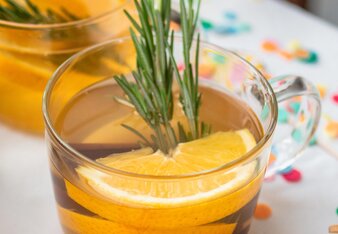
x,y
301,53
322,89
230,15
229,26
335,98
297,135
283,115
301,117
294,45
312,58
294,107
265,112
225,29
292,176
313,141
262,211
218,59
285,54
331,129
206,24
333,228
285,170
175,26
337,211
180,67
206,70
272,159
269,46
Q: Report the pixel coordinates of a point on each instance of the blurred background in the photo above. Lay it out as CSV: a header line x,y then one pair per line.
x,y
326,9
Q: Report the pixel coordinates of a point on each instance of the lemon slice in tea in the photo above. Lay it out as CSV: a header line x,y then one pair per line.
x,y
174,203
79,223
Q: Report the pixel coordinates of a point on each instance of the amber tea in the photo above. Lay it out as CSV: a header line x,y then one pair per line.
x,y
30,50
92,124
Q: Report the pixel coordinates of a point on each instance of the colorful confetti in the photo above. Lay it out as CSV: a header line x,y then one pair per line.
x,y
285,54
206,70
272,159
230,15
175,26
297,135
292,176
285,170
313,141
283,115
333,228
301,117
312,58
219,59
294,45
294,107
229,26
269,46
331,129
294,51
302,54
322,89
206,25
262,211
265,112
180,67
221,29
335,98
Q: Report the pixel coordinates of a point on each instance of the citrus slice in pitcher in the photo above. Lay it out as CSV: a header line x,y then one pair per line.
x,y
153,204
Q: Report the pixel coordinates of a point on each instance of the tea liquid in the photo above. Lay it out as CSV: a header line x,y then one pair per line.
x,y
88,124
28,57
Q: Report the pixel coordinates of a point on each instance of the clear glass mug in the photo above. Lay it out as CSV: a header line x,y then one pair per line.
x,y
30,53
85,206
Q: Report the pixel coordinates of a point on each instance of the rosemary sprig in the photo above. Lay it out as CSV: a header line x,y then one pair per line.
x,y
151,92
30,13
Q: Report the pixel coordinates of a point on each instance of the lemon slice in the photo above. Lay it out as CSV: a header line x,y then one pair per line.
x,y
173,203
79,223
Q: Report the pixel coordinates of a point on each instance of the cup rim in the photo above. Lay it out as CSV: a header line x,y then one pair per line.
x,y
75,23
250,155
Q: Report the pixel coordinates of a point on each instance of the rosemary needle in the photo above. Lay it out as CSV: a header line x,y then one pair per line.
x,y
30,13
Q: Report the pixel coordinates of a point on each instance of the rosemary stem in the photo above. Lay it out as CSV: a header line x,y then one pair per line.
x,y
161,139
171,135
151,92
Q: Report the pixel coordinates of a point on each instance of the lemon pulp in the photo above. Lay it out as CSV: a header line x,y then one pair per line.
x,y
142,204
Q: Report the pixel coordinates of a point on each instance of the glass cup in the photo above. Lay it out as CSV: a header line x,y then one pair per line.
x,y
30,53
220,200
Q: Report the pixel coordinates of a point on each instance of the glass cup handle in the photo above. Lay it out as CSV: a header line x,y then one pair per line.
x,y
304,124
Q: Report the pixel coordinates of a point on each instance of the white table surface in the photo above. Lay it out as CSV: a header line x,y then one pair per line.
x,y
26,197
